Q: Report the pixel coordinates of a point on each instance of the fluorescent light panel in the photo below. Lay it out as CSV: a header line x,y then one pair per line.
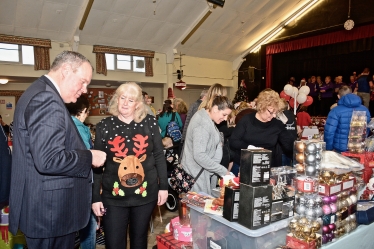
x,y
272,33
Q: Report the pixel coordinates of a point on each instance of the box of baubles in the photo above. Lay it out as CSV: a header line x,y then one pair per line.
x,y
283,197
255,166
255,205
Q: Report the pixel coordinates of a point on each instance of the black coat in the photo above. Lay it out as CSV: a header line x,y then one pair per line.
x,y
5,168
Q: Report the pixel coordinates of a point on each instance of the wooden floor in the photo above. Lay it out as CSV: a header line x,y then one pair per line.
x,y
158,225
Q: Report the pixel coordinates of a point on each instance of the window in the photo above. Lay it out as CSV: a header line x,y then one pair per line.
x,y
17,53
124,62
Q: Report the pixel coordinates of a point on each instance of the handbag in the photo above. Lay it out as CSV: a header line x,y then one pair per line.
x,y
181,181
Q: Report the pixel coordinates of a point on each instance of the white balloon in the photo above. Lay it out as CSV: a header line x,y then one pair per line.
x,y
304,89
301,98
295,91
288,89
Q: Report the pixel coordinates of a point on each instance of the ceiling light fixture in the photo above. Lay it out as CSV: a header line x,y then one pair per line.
x,y
3,81
277,29
300,11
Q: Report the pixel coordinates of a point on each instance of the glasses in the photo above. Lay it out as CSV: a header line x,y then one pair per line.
x,y
273,113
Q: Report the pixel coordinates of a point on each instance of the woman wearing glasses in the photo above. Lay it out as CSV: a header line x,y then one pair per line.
x,y
261,129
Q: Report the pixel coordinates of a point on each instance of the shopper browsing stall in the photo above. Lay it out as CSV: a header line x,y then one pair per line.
x,y
203,144
261,129
339,119
134,179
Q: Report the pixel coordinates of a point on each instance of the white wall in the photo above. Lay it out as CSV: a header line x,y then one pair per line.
x,y
199,73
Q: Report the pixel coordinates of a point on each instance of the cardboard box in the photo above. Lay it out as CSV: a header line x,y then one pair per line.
x,y
255,205
327,190
167,241
231,204
282,208
255,167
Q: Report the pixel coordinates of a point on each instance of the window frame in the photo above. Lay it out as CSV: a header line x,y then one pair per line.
x,y
132,63
20,56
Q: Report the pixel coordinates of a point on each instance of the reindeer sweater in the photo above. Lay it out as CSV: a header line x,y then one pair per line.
x,y
135,167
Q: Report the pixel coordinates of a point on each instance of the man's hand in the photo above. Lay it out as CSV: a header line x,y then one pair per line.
x,y
98,158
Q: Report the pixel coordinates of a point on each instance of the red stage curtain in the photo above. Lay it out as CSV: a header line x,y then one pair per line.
x,y
319,40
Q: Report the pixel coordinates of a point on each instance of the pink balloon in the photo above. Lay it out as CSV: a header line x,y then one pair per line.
x,y
308,102
283,95
292,103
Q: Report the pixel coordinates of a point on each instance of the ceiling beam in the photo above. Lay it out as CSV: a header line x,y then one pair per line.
x,y
85,15
207,14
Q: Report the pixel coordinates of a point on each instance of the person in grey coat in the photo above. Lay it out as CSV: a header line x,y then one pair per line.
x,y
203,144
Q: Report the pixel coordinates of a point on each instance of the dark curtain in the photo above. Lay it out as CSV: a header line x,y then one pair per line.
x,y
335,59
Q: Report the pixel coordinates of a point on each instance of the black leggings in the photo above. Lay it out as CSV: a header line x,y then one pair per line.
x,y
116,221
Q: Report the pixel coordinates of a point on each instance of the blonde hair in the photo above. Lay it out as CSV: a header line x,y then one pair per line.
x,y
180,105
166,141
268,98
214,90
222,102
131,90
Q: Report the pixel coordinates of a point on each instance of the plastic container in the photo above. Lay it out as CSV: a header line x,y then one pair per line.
x,y
210,231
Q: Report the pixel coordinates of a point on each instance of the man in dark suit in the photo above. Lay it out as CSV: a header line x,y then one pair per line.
x,y
5,166
51,182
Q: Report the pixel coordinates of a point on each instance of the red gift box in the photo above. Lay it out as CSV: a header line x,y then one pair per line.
x,y
348,184
295,243
167,241
366,174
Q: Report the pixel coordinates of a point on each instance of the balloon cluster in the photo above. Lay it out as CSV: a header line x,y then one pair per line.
x,y
291,93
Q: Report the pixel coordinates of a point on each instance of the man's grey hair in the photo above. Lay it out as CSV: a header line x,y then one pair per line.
x,y
73,58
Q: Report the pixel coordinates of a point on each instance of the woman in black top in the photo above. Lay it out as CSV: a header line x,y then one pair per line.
x,y
133,179
261,129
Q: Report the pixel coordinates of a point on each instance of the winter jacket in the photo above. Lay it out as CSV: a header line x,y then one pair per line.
x,y
339,120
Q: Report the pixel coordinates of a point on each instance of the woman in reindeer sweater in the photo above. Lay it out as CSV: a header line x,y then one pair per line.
x,y
133,179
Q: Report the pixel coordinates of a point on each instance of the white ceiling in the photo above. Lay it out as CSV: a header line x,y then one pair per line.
x,y
158,25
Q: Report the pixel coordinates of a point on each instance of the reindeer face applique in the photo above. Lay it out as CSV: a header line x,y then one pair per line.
x,y
130,171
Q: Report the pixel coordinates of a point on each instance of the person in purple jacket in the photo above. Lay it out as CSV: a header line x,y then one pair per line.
x,y
327,98
314,91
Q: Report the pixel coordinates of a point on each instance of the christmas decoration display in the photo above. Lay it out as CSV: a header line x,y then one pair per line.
x,y
357,132
241,94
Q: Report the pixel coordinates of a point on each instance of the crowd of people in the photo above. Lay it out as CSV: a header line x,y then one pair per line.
x,y
64,181
325,92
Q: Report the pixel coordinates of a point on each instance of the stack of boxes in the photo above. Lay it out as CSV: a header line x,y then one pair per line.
x,y
255,192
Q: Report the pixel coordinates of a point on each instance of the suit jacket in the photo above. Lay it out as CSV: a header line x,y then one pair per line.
x,y
51,183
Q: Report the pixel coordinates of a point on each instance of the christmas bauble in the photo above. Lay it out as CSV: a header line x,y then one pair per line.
x,y
310,159
300,168
362,118
300,209
300,146
311,148
310,170
316,225
333,198
333,208
326,200
326,209
332,226
300,157
326,229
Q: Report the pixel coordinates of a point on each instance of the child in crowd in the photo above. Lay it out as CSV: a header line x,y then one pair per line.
x,y
171,155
